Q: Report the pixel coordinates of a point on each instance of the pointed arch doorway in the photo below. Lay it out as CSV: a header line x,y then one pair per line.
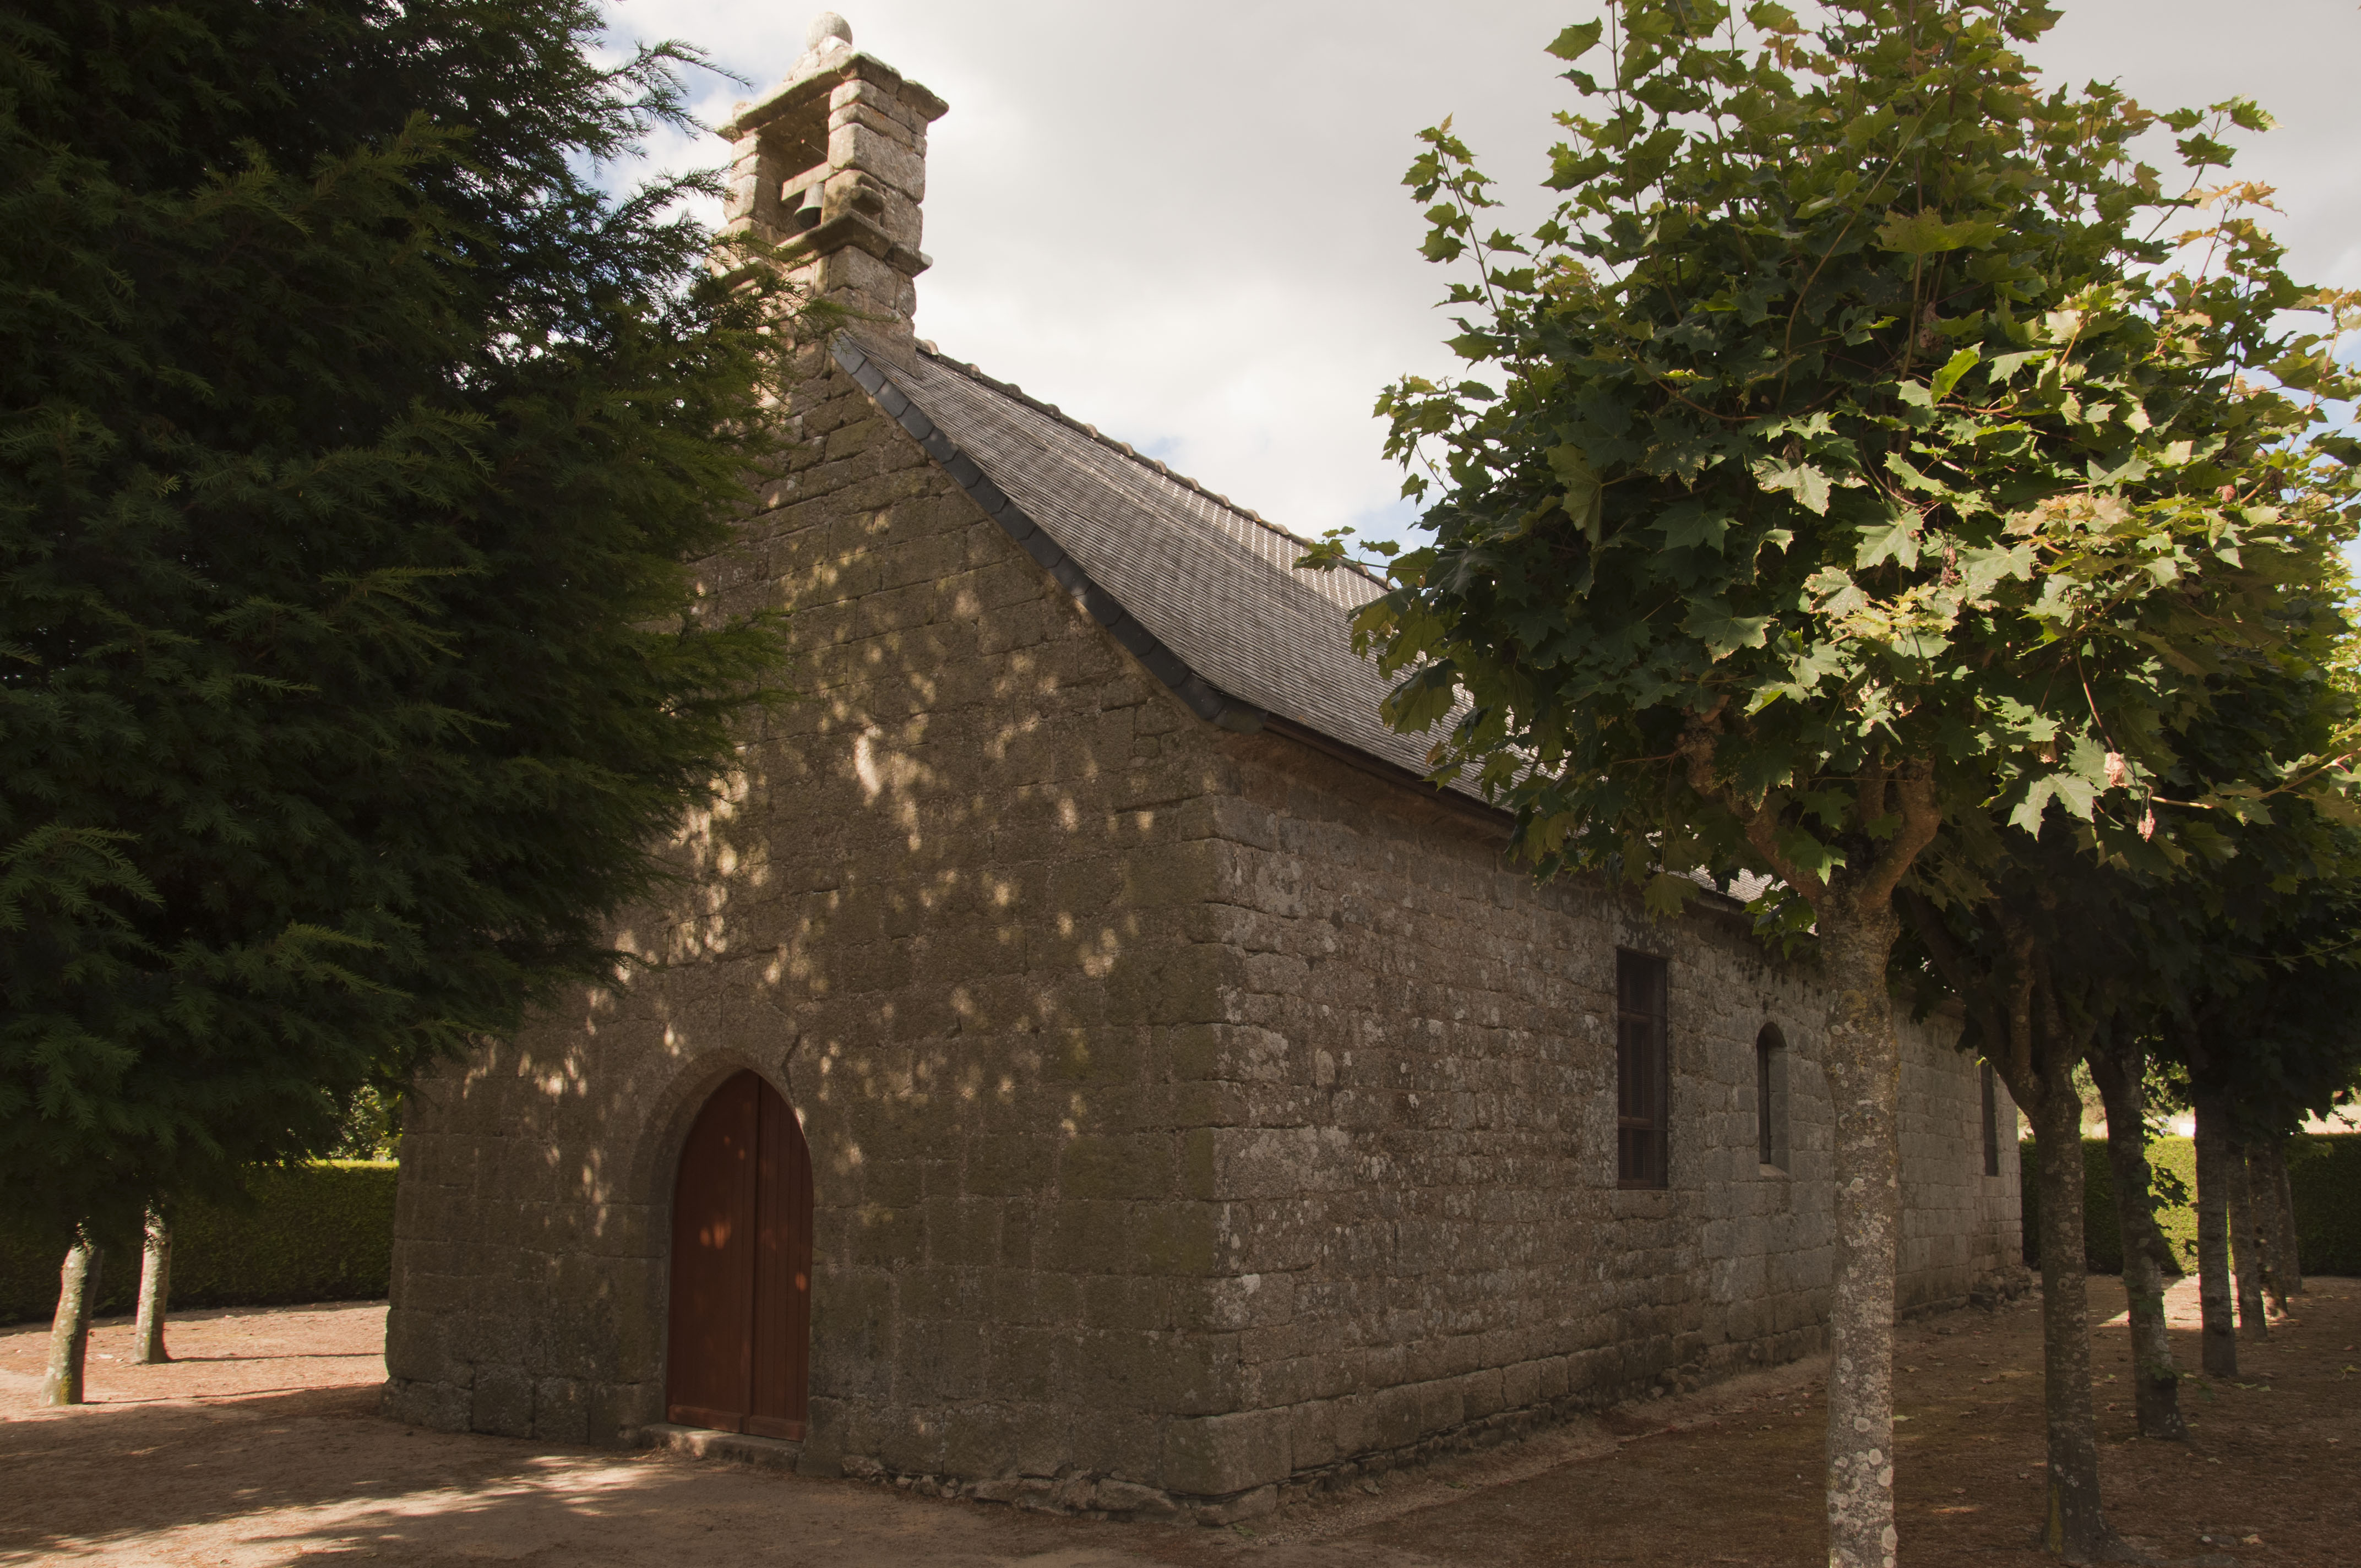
x,y
740,1332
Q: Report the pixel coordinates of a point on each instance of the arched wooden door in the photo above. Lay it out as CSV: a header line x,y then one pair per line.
x,y
741,1226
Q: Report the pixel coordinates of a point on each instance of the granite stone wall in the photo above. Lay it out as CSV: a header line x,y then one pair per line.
x,y
1423,1223
948,908
1192,1114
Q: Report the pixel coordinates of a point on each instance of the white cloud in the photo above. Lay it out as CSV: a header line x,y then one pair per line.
x,y
1184,224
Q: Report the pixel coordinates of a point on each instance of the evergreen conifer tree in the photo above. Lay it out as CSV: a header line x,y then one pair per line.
x,y
352,448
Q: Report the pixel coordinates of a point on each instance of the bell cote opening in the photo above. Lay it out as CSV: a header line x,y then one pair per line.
x,y
830,166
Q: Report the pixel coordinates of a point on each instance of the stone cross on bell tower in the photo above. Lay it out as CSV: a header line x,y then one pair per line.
x,y
830,166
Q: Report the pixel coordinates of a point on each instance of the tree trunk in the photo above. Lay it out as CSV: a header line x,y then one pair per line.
x,y
2074,1527
2218,1350
1864,1072
2146,1256
69,1329
2264,1232
2245,1248
2276,1197
155,1288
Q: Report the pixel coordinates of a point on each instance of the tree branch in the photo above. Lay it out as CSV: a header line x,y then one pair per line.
x,y
2024,1084
1928,921
1913,782
1762,827
1759,821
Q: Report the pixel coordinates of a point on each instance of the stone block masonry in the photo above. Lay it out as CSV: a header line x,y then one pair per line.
x,y
1194,1115
830,166
1195,1112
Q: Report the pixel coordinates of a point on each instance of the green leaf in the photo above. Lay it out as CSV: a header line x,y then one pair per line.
x,y
1981,569
1925,234
1908,473
1958,364
1710,622
1802,480
2087,759
2202,149
1424,699
2027,817
1575,42
1668,894
1683,450
1831,593
1688,523
2069,790
1893,537
2006,365
2075,792
1584,493
2245,113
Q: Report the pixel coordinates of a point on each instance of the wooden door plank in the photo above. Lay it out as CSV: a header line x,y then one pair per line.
x,y
782,1273
709,1334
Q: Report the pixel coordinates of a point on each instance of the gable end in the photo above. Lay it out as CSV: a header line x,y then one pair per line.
x,y
1206,700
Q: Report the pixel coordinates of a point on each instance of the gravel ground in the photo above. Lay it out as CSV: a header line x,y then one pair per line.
x,y
262,1446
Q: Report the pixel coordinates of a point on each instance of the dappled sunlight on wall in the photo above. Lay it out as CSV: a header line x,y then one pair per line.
x,y
1190,1102
912,908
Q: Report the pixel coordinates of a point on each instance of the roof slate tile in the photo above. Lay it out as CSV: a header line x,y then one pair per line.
x,y
1213,584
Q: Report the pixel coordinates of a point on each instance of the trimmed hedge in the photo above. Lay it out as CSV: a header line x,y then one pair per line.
x,y
2325,1176
2324,1172
315,1233
325,1233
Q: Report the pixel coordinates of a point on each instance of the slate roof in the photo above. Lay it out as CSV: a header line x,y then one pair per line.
x,y
1204,592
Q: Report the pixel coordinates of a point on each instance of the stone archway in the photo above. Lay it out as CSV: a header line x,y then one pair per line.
x,y
739,1331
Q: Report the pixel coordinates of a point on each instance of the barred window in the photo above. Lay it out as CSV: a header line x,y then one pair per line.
x,y
1642,1070
1771,1096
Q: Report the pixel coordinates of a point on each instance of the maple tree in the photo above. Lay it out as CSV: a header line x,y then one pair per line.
x,y
1854,469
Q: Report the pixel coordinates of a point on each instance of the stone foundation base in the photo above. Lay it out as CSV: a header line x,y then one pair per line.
x,y
1101,1497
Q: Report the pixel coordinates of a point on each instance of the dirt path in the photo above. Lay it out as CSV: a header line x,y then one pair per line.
x,y
262,1446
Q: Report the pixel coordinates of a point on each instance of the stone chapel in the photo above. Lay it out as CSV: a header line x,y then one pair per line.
x,y
1091,1067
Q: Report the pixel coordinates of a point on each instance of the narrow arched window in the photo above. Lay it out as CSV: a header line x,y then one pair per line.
x,y
1991,1123
1771,1097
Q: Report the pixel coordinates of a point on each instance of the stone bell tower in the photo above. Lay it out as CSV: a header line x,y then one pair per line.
x,y
830,166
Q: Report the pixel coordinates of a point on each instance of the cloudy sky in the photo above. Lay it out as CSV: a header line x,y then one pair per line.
x,y
1185,224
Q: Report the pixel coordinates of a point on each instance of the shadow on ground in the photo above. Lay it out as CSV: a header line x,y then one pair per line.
x,y
265,1447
